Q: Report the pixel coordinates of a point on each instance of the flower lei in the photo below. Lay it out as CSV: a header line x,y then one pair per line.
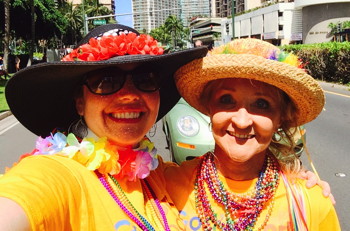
x,y
111,45
101,155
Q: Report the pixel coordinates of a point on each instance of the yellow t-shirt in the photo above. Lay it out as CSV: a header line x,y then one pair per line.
x,y
58,193
321,215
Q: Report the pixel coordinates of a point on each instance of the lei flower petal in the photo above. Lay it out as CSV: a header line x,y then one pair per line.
x,y
143,164
51,144
148,146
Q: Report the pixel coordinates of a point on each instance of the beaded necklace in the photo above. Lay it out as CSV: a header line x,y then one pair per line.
x,y
157,213
241,210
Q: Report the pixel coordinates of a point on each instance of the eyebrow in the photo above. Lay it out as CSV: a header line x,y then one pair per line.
x,y
259,93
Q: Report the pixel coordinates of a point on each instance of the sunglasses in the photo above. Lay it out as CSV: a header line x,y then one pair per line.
x,y
110,80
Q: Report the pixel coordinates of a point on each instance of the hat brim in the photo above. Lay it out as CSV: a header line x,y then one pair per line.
x,y
303,89
41,96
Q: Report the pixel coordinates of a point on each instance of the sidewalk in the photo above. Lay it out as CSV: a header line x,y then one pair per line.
x,y
5,114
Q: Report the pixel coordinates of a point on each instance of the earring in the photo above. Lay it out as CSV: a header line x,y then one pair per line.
x,y
276,137
210,124
78,128
153,130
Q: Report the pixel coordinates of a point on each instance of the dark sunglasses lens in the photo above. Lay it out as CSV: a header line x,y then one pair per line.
x,y
147,82
104,83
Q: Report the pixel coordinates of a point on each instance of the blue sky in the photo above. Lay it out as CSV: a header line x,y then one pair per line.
x,y
122,7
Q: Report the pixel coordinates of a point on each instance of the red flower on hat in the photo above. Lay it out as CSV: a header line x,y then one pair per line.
x,y
108,46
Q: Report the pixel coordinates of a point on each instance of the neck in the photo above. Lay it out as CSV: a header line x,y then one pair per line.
x,y
239,170
91,134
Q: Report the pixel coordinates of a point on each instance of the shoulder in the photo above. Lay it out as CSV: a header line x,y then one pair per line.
x,y
181,172
180,178
48,168
320,208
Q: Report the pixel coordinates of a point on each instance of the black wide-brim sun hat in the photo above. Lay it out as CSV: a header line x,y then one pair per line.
x,y
41,96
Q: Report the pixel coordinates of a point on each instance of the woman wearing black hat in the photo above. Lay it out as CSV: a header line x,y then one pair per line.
x,y
93,171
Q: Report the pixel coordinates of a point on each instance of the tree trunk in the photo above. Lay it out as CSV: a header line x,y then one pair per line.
x,y
31,44
7,33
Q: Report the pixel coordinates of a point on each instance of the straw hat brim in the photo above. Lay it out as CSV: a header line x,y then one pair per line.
x,y
303,89
41,96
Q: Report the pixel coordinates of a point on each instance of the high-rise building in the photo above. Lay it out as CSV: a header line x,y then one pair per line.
x,y
223,8
194,8
149,14
107,3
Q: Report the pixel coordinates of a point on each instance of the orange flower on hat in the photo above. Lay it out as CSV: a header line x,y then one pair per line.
x,y
109,46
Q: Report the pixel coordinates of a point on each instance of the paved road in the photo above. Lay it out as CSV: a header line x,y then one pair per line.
x,y
329,144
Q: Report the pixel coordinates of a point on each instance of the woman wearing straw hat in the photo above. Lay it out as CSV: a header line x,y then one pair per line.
x,y
252,92
93,169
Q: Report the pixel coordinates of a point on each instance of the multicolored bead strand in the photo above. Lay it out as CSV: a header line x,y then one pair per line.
x,y
121,199
157,208
241,210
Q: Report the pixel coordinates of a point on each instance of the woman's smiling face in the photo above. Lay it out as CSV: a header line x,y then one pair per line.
x,y
244,115
124,116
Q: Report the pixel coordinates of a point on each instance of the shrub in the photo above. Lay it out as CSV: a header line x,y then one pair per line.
x,y
325,61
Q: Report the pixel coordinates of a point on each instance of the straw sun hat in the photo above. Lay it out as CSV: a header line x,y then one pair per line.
x,y
257,60
41,96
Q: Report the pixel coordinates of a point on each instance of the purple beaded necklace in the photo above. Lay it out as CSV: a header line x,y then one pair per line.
x,y
140,220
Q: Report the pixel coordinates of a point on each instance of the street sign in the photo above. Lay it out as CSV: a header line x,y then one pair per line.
x,y
99,22
196,31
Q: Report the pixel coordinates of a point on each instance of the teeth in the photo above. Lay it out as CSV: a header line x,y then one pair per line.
x,y
126,115
240,136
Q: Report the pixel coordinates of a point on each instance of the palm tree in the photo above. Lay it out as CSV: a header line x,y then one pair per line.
x,y
161,35
75,22
175,27
94,8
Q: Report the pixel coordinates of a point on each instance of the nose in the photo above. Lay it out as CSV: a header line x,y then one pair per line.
x,y
128,91
242,118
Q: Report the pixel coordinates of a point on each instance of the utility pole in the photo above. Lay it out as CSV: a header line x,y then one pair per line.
x,y
233,19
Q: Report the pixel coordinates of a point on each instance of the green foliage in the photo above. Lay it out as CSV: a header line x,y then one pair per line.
x,y
22,47
334,26
325,61
56,21
3,103
38,55
172,33
49,21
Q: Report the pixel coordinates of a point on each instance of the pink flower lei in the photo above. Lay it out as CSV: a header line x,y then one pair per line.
x,y
108,46
101,155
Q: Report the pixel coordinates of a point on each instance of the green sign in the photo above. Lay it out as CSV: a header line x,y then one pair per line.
x,y
99,22
196,31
